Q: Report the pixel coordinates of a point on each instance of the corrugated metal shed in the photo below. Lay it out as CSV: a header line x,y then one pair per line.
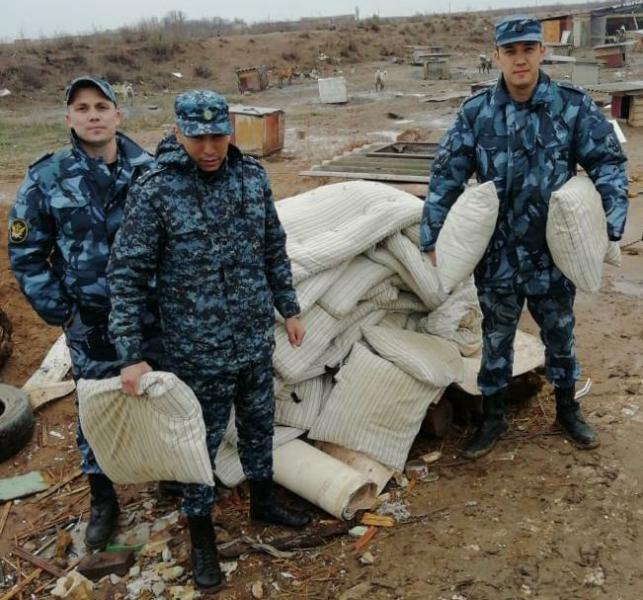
x,y
400,161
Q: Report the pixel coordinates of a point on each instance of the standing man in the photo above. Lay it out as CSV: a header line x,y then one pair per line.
x,y
526,134
61,228
205,223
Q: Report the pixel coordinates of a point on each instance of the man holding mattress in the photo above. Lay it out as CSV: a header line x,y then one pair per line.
x,y
204,222
526,133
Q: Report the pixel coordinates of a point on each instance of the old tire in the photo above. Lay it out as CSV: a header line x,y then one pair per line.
x,y
6,343
16,420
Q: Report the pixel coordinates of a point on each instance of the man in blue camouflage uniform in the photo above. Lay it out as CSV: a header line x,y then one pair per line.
x,y
205,223
526,134
61,228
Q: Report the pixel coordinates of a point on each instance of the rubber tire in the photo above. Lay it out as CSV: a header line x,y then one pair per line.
x,y
16,420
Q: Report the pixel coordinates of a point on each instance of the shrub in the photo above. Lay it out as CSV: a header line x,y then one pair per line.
x,y
202,71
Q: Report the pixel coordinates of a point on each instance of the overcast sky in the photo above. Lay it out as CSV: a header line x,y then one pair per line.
x,y
37,18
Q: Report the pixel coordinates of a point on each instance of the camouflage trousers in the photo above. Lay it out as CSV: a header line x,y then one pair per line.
x,y
93,356
554,314
250,390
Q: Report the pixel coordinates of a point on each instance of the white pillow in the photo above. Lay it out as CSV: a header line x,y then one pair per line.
x,y
577,233
466,233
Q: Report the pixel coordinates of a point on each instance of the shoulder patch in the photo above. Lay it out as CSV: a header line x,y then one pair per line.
x,y
41,159
18,231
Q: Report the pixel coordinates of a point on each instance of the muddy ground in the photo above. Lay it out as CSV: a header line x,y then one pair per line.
x,y
534,519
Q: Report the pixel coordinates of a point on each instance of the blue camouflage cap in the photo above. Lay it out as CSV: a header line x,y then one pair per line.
x,y
202,112
88,80
518,28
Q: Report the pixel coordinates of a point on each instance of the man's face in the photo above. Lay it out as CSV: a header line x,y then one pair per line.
x,y
519,63
93,117
207,151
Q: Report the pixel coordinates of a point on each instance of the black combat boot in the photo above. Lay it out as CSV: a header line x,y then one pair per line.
x,y
492,426
103,515
264,507
170,489
570,418
205,560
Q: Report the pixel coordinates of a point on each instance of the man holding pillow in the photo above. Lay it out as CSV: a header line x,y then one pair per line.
x,y
526,133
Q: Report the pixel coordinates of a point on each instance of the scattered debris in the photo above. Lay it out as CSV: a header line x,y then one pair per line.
x,y
359,591
228,567
395,510
178,75
358,531
5,92
74,586
431,457
416,469
96,566
22,485
257,589
377,520
63,543
367,559
392,115
366,538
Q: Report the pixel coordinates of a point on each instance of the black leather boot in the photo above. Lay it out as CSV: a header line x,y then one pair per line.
x,y
570,418
170,489
103,515
205,560
264,507
492,426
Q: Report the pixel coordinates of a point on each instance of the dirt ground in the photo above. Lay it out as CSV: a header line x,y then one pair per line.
x,y
534,519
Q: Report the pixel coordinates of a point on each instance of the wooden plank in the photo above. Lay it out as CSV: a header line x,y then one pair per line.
x,y
54,368
41,394
372,169
16,589
36,561
5,514
370,176
64,482
382,162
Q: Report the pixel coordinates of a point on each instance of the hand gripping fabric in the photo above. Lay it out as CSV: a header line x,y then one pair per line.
x,y
158,436
466,233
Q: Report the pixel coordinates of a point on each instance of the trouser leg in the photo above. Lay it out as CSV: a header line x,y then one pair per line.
x,y
254,414
500,315
216,395
555,317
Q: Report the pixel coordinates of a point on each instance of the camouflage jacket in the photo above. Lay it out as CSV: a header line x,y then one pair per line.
x,y
63,223
218,250
528,150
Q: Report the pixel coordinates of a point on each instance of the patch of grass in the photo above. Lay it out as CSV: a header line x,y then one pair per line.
x,y
22,141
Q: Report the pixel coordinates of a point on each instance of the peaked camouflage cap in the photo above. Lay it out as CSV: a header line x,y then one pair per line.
x,y
89,81
518,28
202,112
